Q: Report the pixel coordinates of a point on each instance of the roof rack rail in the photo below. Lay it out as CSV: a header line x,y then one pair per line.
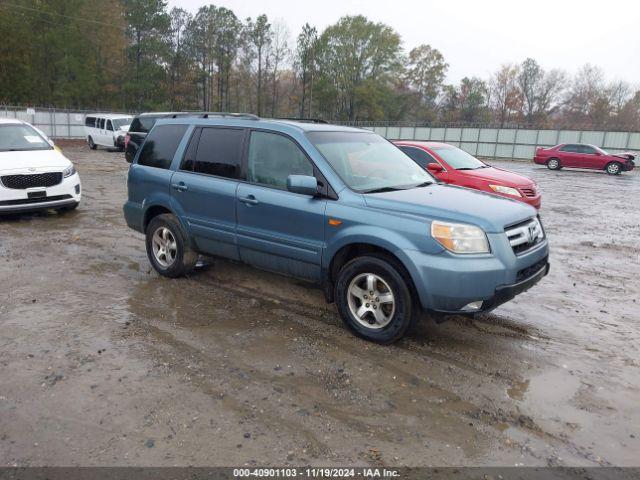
x,y
249,116
304,120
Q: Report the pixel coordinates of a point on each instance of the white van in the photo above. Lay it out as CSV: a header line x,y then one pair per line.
x,y
107,129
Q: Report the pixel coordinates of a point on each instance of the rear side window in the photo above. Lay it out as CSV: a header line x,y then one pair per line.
x,y
101,121
90,122
161,146
419,156
273,157
219,152
570,148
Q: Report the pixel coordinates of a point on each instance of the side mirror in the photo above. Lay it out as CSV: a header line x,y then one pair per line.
x,y
303,184
434,167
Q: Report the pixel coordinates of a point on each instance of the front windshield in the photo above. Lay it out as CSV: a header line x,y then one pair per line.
x,y
458,159
16,137
121,122
367,162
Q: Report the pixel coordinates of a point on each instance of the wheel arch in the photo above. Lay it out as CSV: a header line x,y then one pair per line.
x,y
153,211
353,250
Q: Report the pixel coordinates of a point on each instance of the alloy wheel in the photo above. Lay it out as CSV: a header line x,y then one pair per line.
x,y
165,248
371,301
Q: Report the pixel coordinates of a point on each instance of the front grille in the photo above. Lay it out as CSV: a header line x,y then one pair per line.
x,y
529,192
27,201
22,182
531,270
525,235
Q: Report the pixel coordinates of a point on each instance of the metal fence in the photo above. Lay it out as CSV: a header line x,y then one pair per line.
x,y
510,142
56,123
486,142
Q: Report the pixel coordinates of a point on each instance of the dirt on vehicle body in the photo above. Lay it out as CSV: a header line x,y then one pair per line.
x,y
106,363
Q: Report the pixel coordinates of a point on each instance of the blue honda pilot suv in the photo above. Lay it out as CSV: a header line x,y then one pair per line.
x,y
338,206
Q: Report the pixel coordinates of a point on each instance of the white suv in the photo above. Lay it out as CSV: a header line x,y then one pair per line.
x,y
34,175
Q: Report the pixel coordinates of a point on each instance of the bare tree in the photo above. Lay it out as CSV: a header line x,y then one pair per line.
x,y
505,96
540,90
279,53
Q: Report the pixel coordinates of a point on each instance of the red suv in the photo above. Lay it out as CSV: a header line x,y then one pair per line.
x,y
575,155
450,164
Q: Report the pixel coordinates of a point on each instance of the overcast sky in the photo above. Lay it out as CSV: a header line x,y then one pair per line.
x,y
477,36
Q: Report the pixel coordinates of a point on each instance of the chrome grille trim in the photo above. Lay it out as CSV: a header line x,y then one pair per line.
x,y
524,236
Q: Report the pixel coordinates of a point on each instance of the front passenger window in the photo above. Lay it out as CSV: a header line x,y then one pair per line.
x,y
587,149
273,157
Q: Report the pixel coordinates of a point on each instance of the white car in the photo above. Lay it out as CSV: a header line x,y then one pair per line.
x,y
107,129
34,175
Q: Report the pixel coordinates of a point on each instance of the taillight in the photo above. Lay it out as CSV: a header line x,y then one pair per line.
x,y
127,137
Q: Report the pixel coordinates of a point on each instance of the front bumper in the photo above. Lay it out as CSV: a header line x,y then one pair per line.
x,y
505,293
66,193
448,283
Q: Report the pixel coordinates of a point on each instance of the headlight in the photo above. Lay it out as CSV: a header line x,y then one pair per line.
x,y
460,238
505,190
70,170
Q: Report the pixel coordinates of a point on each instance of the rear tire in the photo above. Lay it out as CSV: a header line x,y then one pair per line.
x,y
613,168
374,299
91,143
167,247
553,164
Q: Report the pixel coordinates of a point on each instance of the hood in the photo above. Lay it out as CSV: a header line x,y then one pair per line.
x,y
497,175
41,160
124,128
625,155
454,204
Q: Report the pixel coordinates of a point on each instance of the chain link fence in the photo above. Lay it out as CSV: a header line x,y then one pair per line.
x,y
479,140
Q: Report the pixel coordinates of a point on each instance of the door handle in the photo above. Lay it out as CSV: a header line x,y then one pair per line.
x,y
181,187
249,200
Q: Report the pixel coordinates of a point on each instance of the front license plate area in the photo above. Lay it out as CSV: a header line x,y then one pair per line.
x,y
40,194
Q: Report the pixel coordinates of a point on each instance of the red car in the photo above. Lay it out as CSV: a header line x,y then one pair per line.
x,y
450,164
575,155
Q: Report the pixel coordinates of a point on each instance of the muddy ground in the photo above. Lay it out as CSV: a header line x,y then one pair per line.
x,y
102,362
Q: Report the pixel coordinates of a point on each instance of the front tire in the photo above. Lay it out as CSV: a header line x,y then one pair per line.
x,y
374,299
167,247
613,168
91,143
553,164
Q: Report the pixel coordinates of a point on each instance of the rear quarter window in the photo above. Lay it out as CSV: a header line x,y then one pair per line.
x,y
161,145
90,121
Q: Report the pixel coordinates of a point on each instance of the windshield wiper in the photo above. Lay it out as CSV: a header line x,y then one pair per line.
x,y
396,189
423,184
382,190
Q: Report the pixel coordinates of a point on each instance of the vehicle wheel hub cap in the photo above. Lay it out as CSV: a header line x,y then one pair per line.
x,y
164,247
613,168
371,301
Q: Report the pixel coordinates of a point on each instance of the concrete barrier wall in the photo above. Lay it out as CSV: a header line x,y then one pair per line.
x,y
510,142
